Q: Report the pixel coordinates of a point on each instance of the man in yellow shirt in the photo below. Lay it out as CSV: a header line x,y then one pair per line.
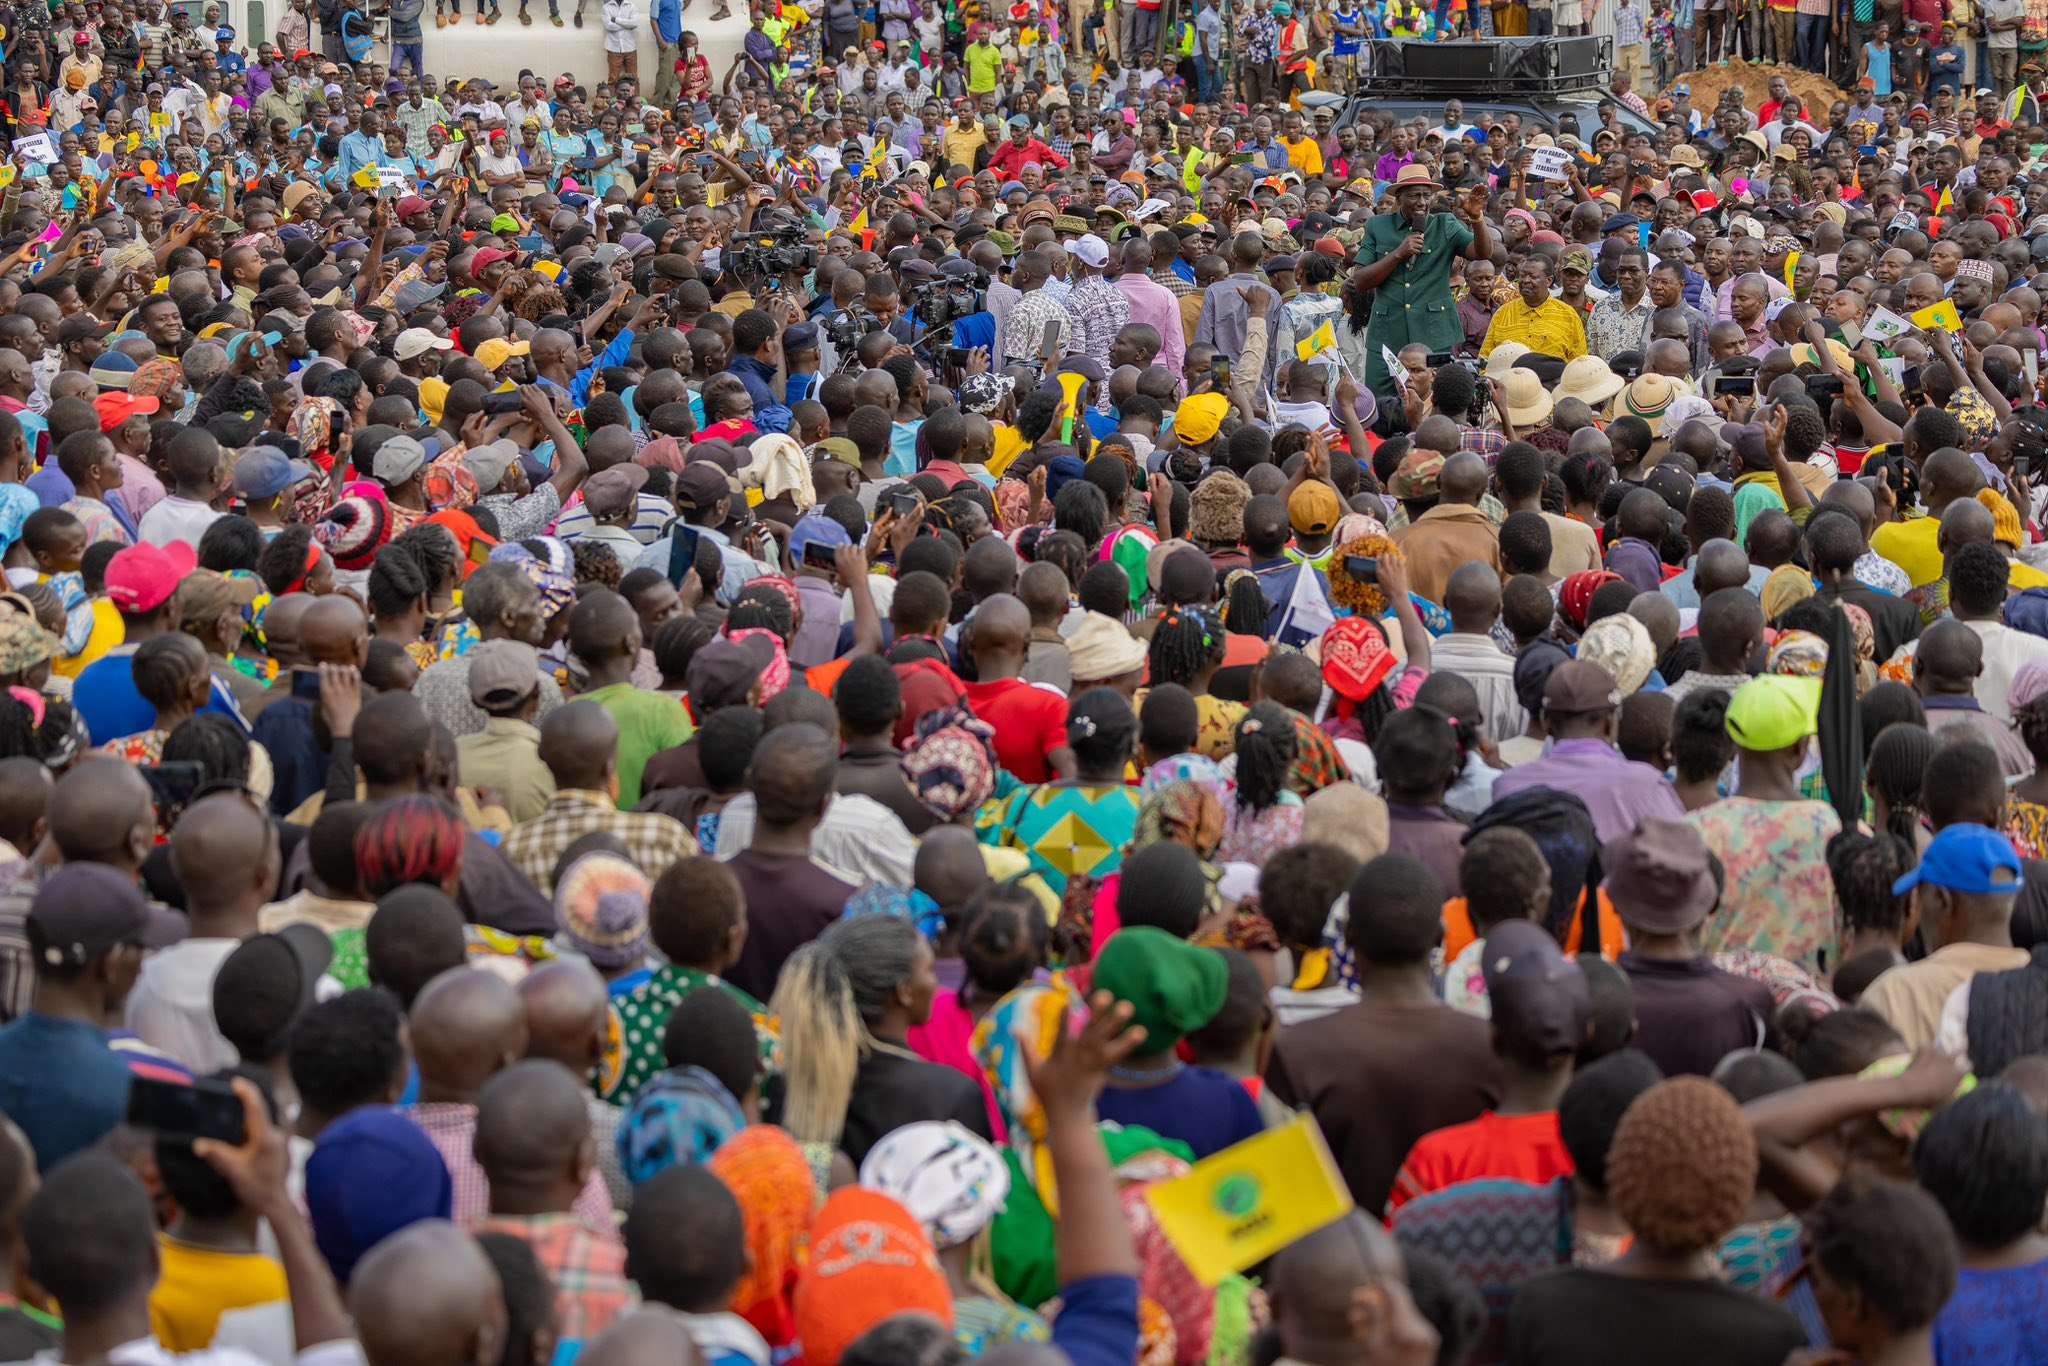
x,y
984,63
1302,152
1547,326
965,137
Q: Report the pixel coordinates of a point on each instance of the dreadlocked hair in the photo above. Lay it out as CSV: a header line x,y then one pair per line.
x,y
1244,606
409,839
830,993
1265,752
435,552
1187,643
1864,869
1897,764
595,563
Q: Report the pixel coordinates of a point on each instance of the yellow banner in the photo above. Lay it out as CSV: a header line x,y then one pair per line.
x,y
1942,315
1323,338
1247,1202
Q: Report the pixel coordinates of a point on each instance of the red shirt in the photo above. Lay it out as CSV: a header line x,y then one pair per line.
x,y
1502,1147
1007,161
1030,723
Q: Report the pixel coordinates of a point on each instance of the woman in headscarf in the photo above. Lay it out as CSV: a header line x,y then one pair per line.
x,y
1575,596
768,1174
1787,584
954,1182
951,766
1186,812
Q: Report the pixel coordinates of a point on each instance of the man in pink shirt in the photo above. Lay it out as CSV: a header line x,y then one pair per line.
x,y
1152,303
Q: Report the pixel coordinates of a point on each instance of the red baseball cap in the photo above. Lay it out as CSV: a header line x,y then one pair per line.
x,y
142,577
485,259
116,407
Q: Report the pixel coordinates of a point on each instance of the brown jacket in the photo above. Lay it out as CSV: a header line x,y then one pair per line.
x,y
1441,540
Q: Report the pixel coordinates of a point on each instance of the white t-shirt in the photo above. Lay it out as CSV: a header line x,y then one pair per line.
x,y
177,519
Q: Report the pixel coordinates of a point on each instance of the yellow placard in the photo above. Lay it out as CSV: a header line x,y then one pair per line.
x,y
1247,1202
1942,315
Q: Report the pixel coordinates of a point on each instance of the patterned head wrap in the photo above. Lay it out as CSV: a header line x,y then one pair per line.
x,y
1787,584
1020,1028
1575,594
682,1116
983,393
353,531
951,1179
775,677
1800,654
1186,811
766,1172
951,767
1356,658
23,644
879,898
1013,505
1183,768
313,425
556,585
1356,595
16,503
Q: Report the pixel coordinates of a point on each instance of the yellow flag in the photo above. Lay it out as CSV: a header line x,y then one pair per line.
x,y
1942,315
1322,339
1946,202
859,223
1247,1202
365,178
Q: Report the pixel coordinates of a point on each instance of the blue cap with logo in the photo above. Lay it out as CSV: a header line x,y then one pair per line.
x,y
1972,859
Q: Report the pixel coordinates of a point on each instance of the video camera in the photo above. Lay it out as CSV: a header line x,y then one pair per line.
x,y
774,248
947,298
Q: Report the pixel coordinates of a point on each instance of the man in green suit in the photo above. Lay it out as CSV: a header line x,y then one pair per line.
x,y
1405,259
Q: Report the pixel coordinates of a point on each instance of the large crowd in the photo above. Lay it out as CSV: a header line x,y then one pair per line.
x,y
751,718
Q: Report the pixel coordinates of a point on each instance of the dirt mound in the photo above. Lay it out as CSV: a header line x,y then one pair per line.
x,y
1814,92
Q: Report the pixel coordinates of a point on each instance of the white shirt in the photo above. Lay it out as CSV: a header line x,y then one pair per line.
x,y
621,26
171,1006
859,839
174,519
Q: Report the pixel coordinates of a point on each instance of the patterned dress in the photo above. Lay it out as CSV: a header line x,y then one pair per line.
x,y
1067,828
637,1019
1779,899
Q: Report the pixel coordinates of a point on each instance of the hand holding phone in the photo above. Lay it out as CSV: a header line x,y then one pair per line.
x,y
203,1108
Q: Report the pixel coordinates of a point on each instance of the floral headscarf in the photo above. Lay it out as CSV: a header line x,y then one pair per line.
x,y
952,766
1186,811
556,586
1801,654
1013,505
681,1117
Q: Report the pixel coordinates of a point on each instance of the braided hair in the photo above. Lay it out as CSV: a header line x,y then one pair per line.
x,y
1897,764
1265,753
398,581
1864,869
1187,644
1244,606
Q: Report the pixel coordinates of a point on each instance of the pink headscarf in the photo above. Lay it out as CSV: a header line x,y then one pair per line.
x,y
775,677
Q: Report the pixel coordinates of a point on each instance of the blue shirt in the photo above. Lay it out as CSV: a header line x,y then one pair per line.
x,y
1994,1316
357,151
1098,1321
771,414
1200,1106
61,1083
106,697
668,20
286,729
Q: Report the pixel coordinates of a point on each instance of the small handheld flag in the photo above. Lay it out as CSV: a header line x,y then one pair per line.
x,y
1322,339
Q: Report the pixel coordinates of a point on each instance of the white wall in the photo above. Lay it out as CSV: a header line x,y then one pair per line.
x,y
500,51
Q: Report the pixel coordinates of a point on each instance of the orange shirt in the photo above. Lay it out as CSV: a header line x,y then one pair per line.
x,y
1501,1147
1613,938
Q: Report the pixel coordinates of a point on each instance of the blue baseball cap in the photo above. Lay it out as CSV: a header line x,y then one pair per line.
x,y
1972,859
372,1173
265,471
815,529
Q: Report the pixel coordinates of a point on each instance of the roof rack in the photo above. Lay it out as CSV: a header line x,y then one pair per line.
x,y
1486,67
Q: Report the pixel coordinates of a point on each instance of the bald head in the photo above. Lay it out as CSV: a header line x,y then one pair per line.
x,y
949,867
646,1337
1001,627
1316,1278
427,1296
1965,522
466,1025
1473,598
102,812
334,631
1438,433
533,1137
578,743
224,851
1950,475
565,1004
1853,498
1948,659
1463,480
1659,616
1720,564
281,626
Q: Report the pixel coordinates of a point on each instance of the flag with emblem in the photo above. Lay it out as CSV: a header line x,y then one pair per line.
x,y
1323,338
1942,315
